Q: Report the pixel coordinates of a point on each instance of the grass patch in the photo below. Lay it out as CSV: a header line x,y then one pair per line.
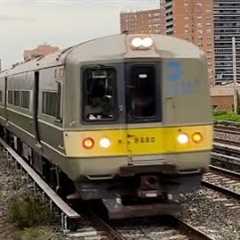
x,y
226,116
27,211
36,233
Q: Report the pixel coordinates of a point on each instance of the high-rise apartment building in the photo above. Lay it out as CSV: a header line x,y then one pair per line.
x,y
145,22
192,20
226,26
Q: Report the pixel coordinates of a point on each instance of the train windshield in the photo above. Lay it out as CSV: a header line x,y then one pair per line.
x,y
99,94
141,93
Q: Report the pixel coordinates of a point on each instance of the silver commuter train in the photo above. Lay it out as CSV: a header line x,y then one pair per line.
x,y
121,117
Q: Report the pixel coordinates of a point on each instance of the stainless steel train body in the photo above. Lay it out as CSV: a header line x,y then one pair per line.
x,y
121,115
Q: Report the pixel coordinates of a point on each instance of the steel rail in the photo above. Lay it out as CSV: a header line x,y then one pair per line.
x,y
175,224
228,124
227,142
225,171
191,231
221,189
229,147
227,130
225,158
111,232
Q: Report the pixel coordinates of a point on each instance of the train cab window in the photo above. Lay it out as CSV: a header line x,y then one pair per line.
x,y
141,97
49,103
99,95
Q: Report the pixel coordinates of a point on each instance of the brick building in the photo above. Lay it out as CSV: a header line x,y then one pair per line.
x,y
149,22
223,98
192,20
226,25
40,51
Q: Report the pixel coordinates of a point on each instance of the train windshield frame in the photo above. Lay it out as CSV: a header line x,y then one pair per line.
x,y
143,97
99,94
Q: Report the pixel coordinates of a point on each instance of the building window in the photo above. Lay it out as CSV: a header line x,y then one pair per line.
x,y
50,103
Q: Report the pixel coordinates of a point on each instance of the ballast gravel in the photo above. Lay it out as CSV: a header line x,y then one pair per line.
x,y
213,213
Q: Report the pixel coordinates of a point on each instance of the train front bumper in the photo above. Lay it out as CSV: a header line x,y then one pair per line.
x,y
137,182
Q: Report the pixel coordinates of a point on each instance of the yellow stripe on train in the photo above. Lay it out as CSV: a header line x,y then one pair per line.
x,y
143,141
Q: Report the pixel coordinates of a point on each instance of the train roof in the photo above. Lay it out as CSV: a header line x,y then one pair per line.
x,y
115,47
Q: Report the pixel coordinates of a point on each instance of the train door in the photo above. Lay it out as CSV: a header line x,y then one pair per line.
x,y
143,107
36,105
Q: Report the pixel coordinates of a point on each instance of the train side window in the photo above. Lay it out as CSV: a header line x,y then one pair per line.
x,y
25,99
99,94
50,103
59,102
16,98
10,96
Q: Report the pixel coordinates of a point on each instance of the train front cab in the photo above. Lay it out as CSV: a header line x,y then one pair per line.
x,y
146,130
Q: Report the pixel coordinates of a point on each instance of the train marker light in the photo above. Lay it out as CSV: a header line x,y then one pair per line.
x,y
88,143
142,43
197,137
105,143
183,138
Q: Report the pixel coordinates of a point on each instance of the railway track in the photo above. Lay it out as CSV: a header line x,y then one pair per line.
x,y
227,143
224,181
154,228
145,229
227,146
227,134
232,162
229,129
93,227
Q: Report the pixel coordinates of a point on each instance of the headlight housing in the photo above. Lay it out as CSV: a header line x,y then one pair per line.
x,y
105,143
183,138
197,137
142,43
88,143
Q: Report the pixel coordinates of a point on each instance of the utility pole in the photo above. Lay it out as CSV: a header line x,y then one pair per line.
x,y
235,89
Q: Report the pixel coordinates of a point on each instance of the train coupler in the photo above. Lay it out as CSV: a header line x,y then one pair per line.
x,y
117,210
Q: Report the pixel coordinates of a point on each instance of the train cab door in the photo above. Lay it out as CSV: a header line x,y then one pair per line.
x,y
36,105
143,107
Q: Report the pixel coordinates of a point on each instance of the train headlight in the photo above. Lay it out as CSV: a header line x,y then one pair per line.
x,y
197,137
142,43
147,42
137,42
88,143
183,138
105,143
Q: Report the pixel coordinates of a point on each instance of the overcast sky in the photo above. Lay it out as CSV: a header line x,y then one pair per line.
x,y
25,24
